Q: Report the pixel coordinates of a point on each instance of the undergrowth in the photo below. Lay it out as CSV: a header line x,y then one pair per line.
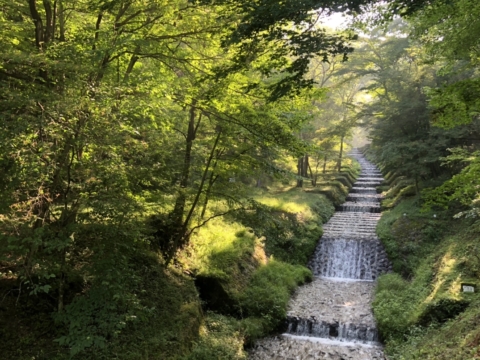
x,y
420,310
229,286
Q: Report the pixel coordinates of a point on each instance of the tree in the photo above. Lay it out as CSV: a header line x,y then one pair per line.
x,y
112,111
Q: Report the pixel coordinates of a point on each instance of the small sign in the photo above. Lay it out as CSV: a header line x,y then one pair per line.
x,y
468,288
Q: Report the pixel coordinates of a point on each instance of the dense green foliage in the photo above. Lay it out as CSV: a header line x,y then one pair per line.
x,y
149,149
130,131
421,304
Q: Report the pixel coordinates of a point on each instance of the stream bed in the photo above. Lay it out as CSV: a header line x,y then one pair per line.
x,y
331,317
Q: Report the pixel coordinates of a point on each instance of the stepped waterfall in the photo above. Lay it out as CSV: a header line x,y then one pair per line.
x,y
331,317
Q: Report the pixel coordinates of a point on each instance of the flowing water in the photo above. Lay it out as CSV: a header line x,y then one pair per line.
x,y
331,317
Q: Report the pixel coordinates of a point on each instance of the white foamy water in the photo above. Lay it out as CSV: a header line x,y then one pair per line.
x,y
333,342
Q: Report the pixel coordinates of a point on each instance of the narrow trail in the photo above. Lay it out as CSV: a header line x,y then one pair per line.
x,y
331,318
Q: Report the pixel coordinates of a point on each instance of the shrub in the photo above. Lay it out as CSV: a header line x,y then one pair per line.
x,y
391,306
269,291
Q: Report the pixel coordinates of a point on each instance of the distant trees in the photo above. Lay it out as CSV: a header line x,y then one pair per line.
x,y
424,122
448,33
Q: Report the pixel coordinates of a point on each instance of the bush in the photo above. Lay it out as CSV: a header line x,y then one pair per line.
x,y
269,291
391,307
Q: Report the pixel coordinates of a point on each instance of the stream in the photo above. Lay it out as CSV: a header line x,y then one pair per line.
x,y
331,317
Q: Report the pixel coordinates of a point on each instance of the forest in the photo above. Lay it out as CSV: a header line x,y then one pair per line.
x,y
166,168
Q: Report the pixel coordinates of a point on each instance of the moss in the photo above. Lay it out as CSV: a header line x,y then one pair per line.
x,y
396,194
268,293
344,180
334,190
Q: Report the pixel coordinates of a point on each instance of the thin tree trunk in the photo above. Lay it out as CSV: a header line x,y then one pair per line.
x,y
133,60
299,172
339,164
211,181
181,235
61,283
61,20
313,176
305,166
177,213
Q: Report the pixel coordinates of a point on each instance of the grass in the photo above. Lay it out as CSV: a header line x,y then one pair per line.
x,y
252,290
420,311
291,222
409,235
396,192
220,337
457,339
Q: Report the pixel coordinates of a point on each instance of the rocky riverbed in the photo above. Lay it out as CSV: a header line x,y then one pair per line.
x,y
334,301
307,348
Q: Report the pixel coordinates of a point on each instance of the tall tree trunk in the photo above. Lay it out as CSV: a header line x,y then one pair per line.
x,y
313,176
61,282
299,172
175,219
305,166
187,163
302,169
61,20
339,163
324,164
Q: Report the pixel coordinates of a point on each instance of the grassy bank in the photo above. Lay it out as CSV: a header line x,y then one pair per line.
x,y
420,309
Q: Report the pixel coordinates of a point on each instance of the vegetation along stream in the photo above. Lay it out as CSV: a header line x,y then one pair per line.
x,y
235,179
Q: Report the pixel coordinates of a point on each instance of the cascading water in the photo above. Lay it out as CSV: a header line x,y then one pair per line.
x,y
331,317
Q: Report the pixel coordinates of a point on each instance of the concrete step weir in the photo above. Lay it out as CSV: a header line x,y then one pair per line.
x,y
331,317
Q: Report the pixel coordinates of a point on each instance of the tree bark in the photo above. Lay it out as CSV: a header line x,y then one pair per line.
x,y
181,235
299,172
313,176
61,20
211,181
339,163
306,165
302,169
176,217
